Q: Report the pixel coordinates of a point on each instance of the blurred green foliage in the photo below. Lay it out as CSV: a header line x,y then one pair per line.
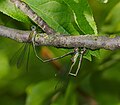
x,y
98,82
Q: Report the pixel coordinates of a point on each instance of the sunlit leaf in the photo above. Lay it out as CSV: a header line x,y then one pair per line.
x,y
103,1
11,10
56,13
83,15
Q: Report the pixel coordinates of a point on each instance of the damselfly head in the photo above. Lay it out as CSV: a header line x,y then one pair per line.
x,y
33,28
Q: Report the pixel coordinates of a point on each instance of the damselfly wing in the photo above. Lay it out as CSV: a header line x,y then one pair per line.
x,y
22,53
21,56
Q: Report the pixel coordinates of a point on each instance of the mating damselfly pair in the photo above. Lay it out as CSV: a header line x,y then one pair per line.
x,y
77,54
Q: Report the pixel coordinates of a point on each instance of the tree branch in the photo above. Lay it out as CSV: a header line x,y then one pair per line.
x,y
63,41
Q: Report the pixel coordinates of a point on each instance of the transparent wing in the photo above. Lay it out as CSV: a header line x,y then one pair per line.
x,y
22,55
28,56
63,79
14,58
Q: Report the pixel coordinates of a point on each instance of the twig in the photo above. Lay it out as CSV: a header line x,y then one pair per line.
x,y
33,16
63,41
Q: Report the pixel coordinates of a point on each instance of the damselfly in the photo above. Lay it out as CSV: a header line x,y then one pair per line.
x,y
26,51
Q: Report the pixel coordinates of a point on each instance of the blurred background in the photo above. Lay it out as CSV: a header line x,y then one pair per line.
x,y
98,82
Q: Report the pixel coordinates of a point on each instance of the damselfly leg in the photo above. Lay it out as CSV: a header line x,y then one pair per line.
x,y
34,48
74,60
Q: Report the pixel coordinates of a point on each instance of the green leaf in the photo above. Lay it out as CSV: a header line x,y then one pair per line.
x,y
61,14
88,55
37,94
4,65
105,85
95,53
112,22
82,15
9,9
56,13
70,95
103,1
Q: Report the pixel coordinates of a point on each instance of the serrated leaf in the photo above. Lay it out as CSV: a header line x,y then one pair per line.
x,y
88,55
9,9
56,13
95,53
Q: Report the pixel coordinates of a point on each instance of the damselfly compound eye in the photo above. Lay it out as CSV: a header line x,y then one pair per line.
x,y
33,28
